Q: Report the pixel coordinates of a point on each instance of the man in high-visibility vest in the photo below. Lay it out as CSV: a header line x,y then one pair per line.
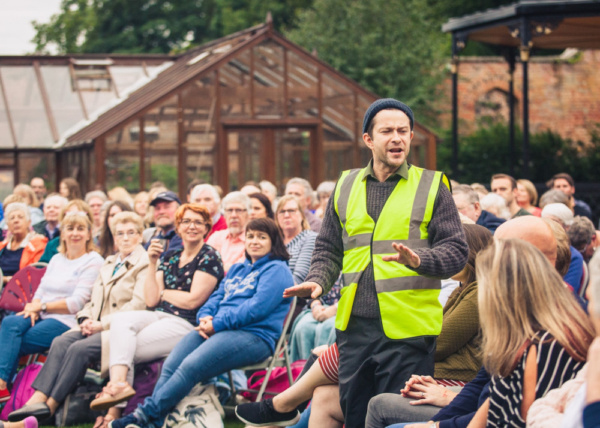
x,y
393,231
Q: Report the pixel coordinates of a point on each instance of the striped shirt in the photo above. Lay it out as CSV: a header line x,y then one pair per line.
x,y
554,367
300,249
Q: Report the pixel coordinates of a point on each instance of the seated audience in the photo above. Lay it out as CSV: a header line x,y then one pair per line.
x,y
76,205
564,406
106,241
141,203
120,194
527,197
565,183
324,192
528,318
302,190
230,242
496,205
179,283
506,186
467,203
207,195
38,185
96,199
269,190
554,196
583,237
563,216
250,188
63,291
28,195
239,325
165,205
260,207
69,188
21,247
50,226
118,287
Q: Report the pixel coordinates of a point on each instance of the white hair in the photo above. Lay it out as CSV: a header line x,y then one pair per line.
x,y
201,188
308,191
17,206
495,204
237,197
268,187
95,194
61,201
560,211
326,187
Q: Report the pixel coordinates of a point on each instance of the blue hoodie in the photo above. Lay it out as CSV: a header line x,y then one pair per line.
x,y
250,298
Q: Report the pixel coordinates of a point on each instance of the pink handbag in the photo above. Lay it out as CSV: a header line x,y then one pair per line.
x,y
278,380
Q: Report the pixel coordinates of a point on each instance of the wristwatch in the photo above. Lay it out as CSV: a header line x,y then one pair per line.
x,y
44,307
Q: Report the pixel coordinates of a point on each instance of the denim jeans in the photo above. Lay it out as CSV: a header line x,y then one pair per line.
x,y
18,337
195,360
308,333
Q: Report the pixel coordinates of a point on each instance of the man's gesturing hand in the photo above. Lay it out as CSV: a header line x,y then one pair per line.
x,y
405,256
306,289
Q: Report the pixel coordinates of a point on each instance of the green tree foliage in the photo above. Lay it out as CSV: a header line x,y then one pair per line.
x,y
394,48
487,151
153,26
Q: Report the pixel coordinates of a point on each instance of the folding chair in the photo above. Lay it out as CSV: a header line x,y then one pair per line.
x,y
21,288
280,358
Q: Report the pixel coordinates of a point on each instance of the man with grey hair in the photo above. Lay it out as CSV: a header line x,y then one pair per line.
x,y
467,203
302,190
207,196
230,243
50,226
268,189
583,237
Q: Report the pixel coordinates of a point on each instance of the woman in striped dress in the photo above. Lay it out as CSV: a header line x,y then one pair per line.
x,y
535,335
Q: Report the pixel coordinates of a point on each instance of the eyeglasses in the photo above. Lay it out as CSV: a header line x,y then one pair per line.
x,y
290,212
129,233
235,210
186,222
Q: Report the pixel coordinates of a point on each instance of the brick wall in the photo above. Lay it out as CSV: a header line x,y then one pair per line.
x,y
564,94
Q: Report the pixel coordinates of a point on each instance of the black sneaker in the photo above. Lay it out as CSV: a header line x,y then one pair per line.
x,y
263,414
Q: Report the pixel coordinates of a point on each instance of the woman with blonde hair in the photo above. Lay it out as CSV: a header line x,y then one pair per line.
x,y
535,335
63,291
527,197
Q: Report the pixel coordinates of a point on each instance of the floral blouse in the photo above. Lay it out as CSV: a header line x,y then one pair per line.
x,y
207,260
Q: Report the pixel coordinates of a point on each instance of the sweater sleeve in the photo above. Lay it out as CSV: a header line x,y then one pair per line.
x,y
83,291
328,255
591,415
464,406
448,250
459,327
269,294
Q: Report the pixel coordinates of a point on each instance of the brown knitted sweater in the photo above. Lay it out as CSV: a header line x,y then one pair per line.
x,y
457,355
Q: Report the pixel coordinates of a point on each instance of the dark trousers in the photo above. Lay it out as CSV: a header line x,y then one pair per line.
x,y
68,359
372,364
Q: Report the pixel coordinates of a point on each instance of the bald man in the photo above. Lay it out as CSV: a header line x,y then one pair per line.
x,y
533,230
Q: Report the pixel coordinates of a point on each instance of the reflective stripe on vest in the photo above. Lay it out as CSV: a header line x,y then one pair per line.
x,y
408,302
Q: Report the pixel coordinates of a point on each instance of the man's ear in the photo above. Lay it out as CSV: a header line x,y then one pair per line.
x,y
368,141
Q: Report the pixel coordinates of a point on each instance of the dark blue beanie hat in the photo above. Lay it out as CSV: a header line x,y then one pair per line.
x,y
386,103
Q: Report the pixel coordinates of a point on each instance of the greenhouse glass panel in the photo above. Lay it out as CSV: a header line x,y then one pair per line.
x,y
26,107
64,102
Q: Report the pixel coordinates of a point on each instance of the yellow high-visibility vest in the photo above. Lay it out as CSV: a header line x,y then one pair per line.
x,y
408,302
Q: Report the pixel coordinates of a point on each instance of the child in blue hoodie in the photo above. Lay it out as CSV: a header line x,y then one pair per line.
x,y
238,325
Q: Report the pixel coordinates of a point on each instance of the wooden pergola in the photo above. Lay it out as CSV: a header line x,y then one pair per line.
x,y
521,28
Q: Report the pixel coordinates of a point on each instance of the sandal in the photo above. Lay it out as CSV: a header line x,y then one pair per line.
x,y
107,398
